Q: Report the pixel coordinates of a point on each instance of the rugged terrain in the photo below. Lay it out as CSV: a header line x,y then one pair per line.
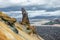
x,y
10,29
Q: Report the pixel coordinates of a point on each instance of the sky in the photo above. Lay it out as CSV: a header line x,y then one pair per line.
x,y
45,4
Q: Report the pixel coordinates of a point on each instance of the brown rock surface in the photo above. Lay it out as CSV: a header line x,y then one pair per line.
x,y
6,33
7,18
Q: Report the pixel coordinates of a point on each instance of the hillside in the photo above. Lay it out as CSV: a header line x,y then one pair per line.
x,y
10,29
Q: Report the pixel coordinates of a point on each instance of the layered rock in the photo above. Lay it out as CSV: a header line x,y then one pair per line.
x,y
12,30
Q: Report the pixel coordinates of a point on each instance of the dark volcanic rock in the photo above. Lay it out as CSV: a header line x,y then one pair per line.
x,y
49,33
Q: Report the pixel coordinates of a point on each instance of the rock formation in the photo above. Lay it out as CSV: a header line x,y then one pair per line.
x,y
10,29
25,19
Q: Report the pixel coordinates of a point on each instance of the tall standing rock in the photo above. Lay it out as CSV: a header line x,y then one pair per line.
x,y
25,19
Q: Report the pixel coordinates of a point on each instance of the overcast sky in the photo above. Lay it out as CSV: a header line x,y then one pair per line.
x,y
48,3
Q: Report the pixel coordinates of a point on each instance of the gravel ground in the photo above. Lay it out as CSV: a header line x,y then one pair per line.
x,y
49,33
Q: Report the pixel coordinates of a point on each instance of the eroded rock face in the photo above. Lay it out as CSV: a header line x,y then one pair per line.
x,y
9,21
2,36
7,18
25,19
12,30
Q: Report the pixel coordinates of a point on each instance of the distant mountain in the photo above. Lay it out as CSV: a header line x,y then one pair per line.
x,y
55,21
14,8
45,17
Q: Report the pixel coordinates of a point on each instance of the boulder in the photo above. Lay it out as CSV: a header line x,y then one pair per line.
x,y
5,17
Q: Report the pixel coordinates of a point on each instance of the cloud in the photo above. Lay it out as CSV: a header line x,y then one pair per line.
x,y
47,3
18,14
43,13
6,3
15,14
53,3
